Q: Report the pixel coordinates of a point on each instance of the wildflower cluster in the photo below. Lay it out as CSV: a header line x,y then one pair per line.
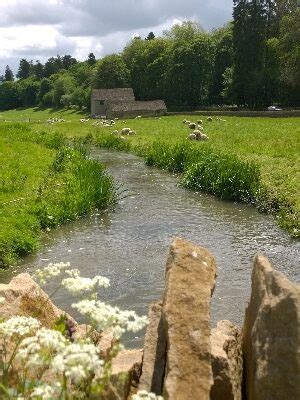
x,y
144,395
51,271
76,364
103,316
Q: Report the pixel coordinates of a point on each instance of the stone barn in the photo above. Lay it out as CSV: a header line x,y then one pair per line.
x,y
121,103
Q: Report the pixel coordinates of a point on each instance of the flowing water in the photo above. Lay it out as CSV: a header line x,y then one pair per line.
x,y
130,245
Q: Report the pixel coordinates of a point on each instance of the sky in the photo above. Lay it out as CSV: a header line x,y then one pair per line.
x,y
39,29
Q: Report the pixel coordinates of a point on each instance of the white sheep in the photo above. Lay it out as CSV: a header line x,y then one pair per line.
x,y
209,119
125,131
192,125
200,122
138,116
204,137
131,133
192,136
184,121
115,132
198,134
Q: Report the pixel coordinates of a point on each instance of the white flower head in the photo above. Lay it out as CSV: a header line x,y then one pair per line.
x,y
46,392
77,284
51,271
19,327
77,361
2,299
144,395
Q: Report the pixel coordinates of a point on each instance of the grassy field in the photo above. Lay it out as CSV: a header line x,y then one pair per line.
x,y
260,154
43,183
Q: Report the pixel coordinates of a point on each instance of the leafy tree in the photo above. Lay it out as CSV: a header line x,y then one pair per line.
x,y
150,36
45,87
67,61
82,74
63,84
91,59
9,96
8,74
28,91
24,69
52,66
184,32
111,72
38,70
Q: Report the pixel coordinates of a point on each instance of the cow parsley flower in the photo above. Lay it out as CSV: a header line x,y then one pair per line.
x,y
77,361
36,351
2,299
144,395
103,316
46,392
19,327
77,284
51,271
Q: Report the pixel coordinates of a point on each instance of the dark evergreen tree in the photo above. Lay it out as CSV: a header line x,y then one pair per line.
x,y
68,61
8,75
150,36
38,70
91,59
24,69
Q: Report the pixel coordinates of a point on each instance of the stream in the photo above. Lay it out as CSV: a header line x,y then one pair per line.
x,y
130,245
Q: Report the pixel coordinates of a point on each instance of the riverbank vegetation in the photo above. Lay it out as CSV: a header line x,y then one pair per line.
x,y
43,183
251,62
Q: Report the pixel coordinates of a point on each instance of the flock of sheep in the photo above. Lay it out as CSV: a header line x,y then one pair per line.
x,y
55,120
198,130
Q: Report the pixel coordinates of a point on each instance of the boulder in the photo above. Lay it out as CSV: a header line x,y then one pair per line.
x,y
271,336
125,373
23,296
154,358
227,362
190,280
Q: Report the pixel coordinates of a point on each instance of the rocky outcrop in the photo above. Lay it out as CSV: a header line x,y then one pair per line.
x,y
154,358
23,296
271,336
190,280
227,362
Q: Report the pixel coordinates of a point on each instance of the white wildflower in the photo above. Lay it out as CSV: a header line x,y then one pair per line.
x,y
51,271
19,326
103,316
77,361
144,395
36,351
2,299
46,392
77,284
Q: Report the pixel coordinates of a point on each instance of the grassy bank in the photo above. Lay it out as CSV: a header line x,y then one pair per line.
x,y
246,159
43,183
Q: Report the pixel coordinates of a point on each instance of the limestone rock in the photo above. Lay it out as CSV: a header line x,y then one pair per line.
x,y
227,362
190,280
23,296
154,358
126,370
271,336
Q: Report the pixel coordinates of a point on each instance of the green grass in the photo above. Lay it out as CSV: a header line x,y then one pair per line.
x,y
43,184
222,165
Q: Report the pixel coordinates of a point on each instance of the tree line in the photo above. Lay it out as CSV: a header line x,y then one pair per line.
x,y
253,61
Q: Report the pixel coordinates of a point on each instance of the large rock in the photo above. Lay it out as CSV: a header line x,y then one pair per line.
x,y
23,296
271,336
190,280
154,358
227,362
125,374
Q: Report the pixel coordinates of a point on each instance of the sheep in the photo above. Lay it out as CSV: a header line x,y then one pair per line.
x,y
204,137
192,125
184,121
197,134
138,116
209,119
200,122
115,132
125,131
116,119
130,133
192,136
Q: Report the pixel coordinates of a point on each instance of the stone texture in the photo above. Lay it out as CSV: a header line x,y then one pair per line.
x,y
23,296
271,336
190,280
227,362
154,358
126,371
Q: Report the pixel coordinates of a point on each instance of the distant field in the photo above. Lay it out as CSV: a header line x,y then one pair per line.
x,y
272,144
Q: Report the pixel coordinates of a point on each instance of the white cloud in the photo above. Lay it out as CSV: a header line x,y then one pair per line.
x,y
39,29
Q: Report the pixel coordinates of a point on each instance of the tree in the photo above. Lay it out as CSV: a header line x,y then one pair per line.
x,y
91,59
111,72
8,75
52,66
9,96
28,91
249,42
45,87
38,70
150,36
24,69
184,32
67,61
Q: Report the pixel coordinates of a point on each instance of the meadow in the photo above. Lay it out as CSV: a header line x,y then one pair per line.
x,y
44,182
253,160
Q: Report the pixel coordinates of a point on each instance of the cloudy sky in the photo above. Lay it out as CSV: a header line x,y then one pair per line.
x,y
39,29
